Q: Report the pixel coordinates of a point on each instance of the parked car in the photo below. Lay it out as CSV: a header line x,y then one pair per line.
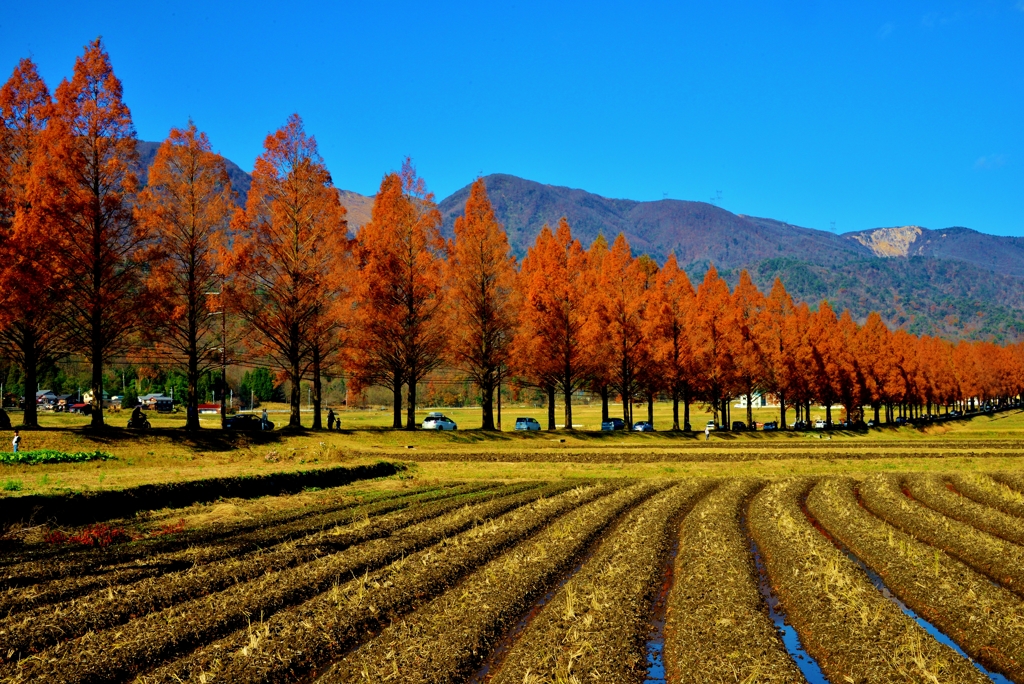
x,y
955,414
738,426
613,424
871,423
529,424
438,421
642,426
248,422
801,425
820,424
770,426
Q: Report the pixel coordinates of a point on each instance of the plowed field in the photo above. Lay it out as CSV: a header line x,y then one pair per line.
x,y
883,578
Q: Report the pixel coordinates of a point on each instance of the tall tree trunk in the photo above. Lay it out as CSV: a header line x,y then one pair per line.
x,y
650,408
410,413
192,407
396,407
782,411
30,359
686,410
675,411
551,407
828,414
317,387
294,417
750,411
487,403
568,409
604,403
96,357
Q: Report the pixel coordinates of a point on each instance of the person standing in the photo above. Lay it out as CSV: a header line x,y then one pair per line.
x,y
330,419
16,442
264,415
707,432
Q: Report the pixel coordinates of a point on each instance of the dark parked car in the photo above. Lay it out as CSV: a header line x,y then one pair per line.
x,y
613,424
770,426
248,422
642,426
738,426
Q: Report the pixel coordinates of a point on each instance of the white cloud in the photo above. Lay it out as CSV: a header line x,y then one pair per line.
x,y
888,27
990,161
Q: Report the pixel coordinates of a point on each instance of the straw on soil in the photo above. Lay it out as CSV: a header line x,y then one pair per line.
x,y
717,628
985,620
596,626
1000,560
853,632
156,637
447,639
934,493
309,637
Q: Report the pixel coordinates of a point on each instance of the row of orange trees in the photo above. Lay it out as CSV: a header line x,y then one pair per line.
x,y
92,263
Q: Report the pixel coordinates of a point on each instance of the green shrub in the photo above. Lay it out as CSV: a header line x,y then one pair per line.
x,y
50,456
12,485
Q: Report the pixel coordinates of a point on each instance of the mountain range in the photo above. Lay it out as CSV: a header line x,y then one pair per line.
x,y
954,282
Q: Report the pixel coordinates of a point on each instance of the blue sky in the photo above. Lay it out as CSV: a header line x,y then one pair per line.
x,y
856,115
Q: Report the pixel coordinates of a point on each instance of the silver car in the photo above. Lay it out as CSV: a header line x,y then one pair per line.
x,y
438,421
529,424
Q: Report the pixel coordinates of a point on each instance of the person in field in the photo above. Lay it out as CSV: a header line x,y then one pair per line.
x,y
330,419
707,432
16,442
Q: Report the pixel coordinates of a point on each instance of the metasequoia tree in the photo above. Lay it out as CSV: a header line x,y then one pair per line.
x,y
617,311
82,191
747,304
553,278
187,206
290,237
715,340
668,319
600,345
777,369
481,279
399,323
29,334
879,366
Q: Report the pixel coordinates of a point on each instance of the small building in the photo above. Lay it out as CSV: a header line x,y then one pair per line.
x,y
46,398
157,402
757,400
207,409
88,395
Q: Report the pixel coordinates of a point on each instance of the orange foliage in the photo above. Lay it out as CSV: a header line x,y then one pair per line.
x,y
187,208
399,324
481,280
82,189
289,251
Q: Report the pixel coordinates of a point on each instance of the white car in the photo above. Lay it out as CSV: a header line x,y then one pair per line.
x,y
820,424
438,421
529,424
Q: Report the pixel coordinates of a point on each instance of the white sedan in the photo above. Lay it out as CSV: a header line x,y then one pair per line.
x,y
436,421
